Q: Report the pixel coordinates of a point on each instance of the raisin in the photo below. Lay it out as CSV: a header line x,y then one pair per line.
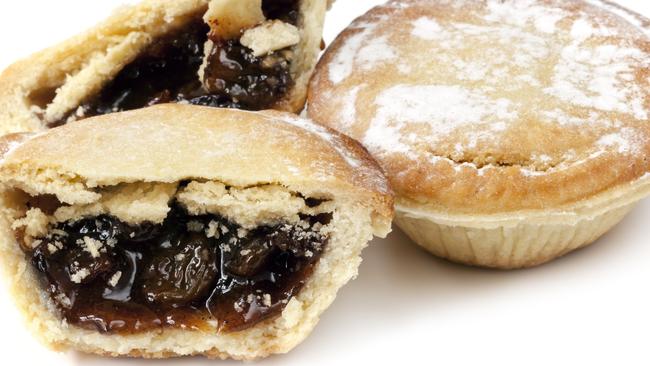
x,y
251,257
253,82
182,273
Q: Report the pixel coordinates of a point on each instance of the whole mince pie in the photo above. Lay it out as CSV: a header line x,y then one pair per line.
x,y
513,132
244,54
184,230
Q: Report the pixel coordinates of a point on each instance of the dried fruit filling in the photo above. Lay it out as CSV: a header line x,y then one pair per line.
x,y
196,272
168,71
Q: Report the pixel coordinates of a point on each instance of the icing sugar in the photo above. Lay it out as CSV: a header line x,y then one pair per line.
x,y
624,141
564,119
348,113
615,140
441,108
11,147
343,63
426,28
544,18
581,29
599,78
363,49
487,62
546,23
375,51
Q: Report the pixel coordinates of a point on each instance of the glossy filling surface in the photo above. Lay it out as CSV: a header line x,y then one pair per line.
x,y
168,72
190,272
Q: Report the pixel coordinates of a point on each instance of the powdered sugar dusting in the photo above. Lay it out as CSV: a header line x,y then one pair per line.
x,y
623,141
523,12
426,28
546,22
561,117
11,146
441,109
599,77
348,114
582,29
525,49
376,51
343,63
363,49
479,69
615,140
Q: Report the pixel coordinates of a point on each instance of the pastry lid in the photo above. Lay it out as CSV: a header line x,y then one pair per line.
x,y
493,106
174,142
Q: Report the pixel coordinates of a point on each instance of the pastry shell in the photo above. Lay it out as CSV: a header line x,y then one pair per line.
x,y
522,239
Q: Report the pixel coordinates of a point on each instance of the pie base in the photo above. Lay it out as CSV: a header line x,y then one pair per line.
x,y
518,240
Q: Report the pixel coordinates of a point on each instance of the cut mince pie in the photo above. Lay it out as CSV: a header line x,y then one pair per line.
x,y
513,132
245,54
183,230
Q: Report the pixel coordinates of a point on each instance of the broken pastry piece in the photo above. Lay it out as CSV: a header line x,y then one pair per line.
x,y
245,54
180,230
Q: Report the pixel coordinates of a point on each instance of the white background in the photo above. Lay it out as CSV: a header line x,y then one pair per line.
x,y
406,307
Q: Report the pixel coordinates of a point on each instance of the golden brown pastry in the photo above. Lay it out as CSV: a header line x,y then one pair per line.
x,y
183,230
247,54
513,132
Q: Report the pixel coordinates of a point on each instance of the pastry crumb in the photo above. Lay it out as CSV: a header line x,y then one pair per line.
x,y
270,36
213,230
115,279
238,308
63,300
224,229
80,275
59,232
266,300
241,232
92,246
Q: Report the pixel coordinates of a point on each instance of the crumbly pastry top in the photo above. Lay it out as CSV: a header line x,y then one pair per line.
x,y
493,106
172,143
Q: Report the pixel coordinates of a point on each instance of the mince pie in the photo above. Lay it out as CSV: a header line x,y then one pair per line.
x,y
513,132
182,230
245,54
